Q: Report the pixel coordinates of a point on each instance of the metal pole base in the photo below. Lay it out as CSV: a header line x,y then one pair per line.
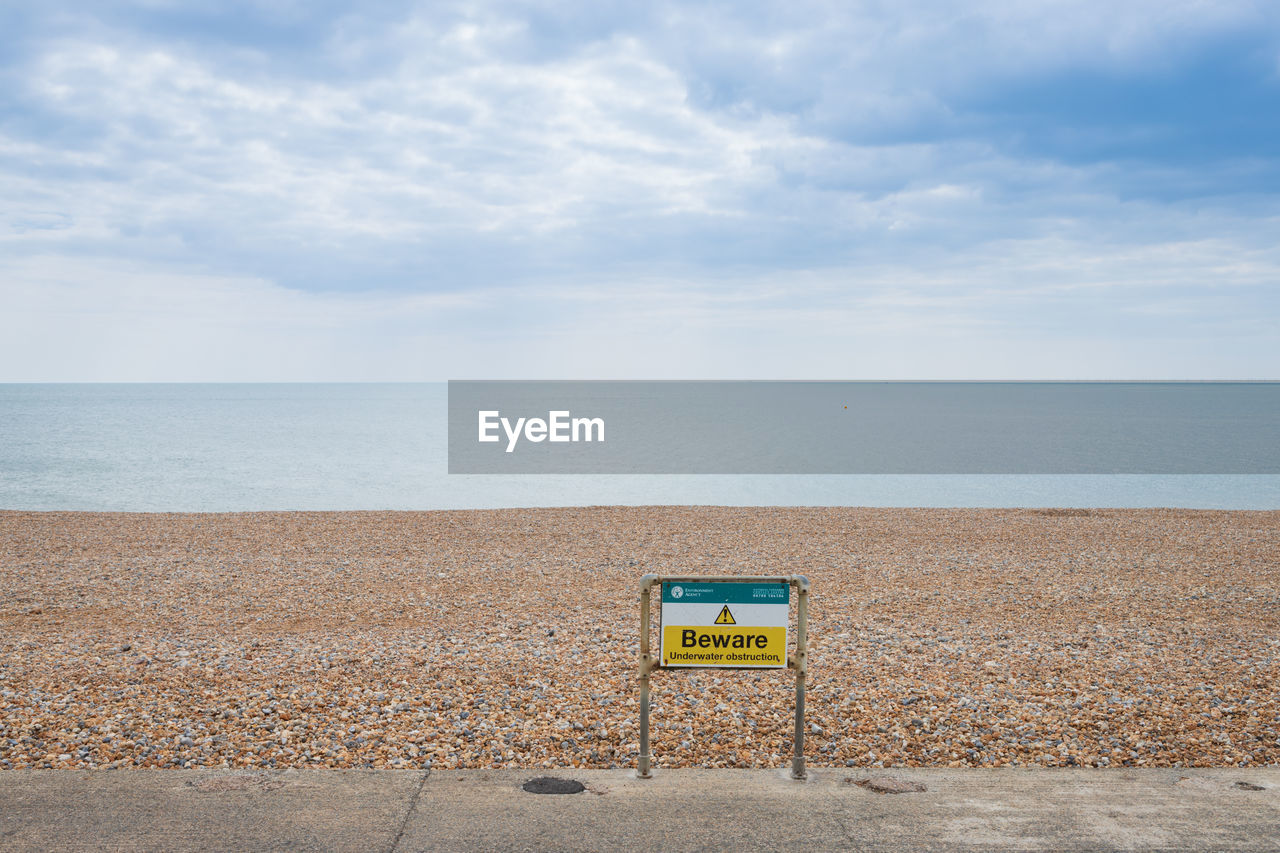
x,y
797,769
642,771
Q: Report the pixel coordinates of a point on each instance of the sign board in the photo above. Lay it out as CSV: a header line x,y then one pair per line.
x,y
742,624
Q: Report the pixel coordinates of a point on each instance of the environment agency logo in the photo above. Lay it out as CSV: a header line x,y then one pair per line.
x,y
677,592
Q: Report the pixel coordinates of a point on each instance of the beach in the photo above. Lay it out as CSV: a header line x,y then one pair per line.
x,y
509,638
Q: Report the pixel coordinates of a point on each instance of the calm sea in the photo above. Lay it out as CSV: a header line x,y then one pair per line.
x,y
209,447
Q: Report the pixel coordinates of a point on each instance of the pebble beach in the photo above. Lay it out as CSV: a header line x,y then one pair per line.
x,y
509,638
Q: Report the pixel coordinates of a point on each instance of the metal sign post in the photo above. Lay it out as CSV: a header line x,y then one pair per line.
x,y
725,622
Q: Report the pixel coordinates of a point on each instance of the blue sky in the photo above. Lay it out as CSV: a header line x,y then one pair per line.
x,y
398,191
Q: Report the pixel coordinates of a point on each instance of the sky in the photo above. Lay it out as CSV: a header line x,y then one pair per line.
x,y
394,191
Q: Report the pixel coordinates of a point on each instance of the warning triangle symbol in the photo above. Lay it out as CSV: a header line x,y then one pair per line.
x,y
725,617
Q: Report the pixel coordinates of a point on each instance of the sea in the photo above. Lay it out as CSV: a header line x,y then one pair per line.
x,y
259,447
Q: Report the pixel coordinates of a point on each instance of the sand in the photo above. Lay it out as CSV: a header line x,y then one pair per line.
x,y
508,638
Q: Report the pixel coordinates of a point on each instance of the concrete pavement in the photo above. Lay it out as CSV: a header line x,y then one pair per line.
x,y
1220,809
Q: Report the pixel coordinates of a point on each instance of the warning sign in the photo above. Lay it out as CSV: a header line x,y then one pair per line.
x,y
729,624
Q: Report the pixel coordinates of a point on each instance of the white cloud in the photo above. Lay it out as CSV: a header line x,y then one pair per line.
x,y
1029,310
453,192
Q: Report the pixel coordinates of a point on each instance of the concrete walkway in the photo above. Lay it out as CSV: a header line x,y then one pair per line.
x,y
676,810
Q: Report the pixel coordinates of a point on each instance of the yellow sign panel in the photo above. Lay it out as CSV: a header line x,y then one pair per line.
x,y
723,645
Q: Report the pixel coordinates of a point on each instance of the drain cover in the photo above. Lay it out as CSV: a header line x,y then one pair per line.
x,y
552,785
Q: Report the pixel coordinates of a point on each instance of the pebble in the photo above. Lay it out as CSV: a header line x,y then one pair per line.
x,y
1102,638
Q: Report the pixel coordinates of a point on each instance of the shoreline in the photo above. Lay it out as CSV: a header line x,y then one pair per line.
x,y
507,638
1063,510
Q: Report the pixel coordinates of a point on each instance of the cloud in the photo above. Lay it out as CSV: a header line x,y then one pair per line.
x,y
1017,311
376,189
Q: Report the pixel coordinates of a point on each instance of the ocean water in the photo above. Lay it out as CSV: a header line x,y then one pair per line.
x,y
208,447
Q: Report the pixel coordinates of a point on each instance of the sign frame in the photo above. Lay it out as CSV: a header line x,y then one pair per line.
x,y
797,661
